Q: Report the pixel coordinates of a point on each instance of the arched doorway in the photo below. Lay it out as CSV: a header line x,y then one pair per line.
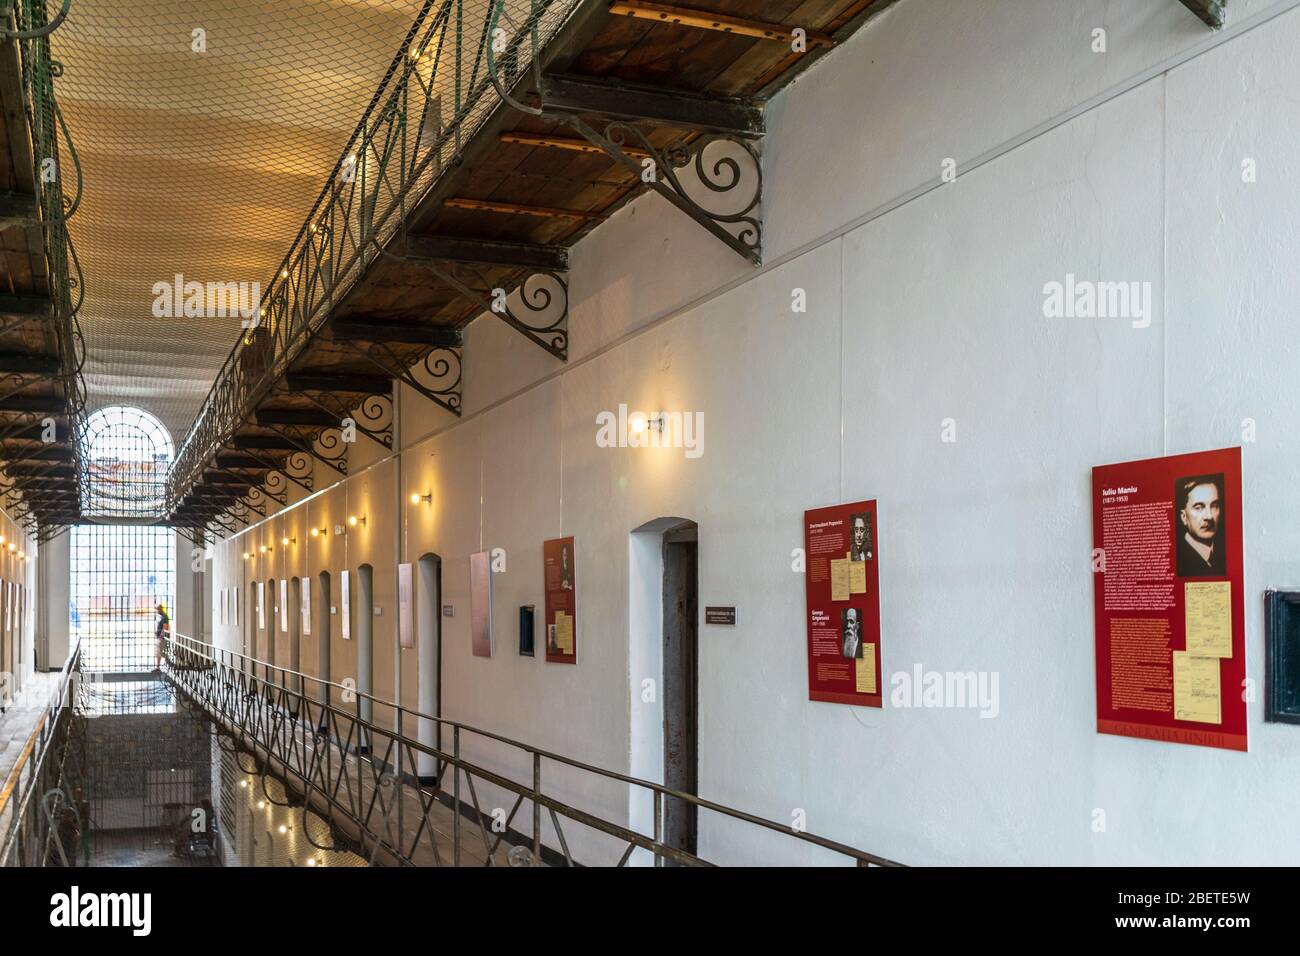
x,y
428,653
365,633
664,623
268,652
323,637
294,620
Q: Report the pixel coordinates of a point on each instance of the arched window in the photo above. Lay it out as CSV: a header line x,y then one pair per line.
x,y
123,566
128,452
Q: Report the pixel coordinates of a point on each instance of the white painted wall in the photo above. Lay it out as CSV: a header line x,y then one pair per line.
x,y
929,311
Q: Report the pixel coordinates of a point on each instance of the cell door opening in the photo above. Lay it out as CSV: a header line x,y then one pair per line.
x,y
662,628
322,626
681,684
428,629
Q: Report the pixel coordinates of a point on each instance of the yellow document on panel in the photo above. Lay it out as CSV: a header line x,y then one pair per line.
x,y
564,632
857,577
1196,689
866,670
1208,615
840,579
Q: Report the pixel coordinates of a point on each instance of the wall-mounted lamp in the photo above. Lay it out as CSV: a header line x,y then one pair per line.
x,y
21,555
12,546
288,541
29,559
416,498
264,549
353,521
247,555
639,422
317,532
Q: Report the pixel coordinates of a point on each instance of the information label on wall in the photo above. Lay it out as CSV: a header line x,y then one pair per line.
x,y
283,609
1169,599
261,605
405,610
560,584
841,548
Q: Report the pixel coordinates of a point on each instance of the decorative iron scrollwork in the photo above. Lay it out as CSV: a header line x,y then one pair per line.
x,y
722,168
443,369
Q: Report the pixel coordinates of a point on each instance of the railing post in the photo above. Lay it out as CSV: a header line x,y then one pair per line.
x,y
659,825
455,769
537,808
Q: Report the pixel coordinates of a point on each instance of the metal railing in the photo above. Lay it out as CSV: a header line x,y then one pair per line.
x,y
42,785
436,93
51,144
388,791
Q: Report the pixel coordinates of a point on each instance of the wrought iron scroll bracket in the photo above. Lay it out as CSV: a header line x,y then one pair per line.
x,y
441,364
715,179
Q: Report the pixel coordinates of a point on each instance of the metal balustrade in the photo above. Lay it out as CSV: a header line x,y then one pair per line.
x,y
43,784
355,759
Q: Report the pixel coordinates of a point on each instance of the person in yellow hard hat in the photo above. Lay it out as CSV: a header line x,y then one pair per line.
x,y
160,631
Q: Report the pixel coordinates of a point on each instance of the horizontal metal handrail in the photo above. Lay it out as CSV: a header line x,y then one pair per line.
x,y
284,679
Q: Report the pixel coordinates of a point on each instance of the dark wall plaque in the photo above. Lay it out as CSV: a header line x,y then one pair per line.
x,y
1282,671
720,615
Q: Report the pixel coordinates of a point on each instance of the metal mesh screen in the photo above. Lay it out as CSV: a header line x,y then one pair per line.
x,y
119,574
205,129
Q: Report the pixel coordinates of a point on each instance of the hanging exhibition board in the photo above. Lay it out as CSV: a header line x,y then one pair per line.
x,y
560,584
306,604
405,609
1168,599
842,583
480,604
345,607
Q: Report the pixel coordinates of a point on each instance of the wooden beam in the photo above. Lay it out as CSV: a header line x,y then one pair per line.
x,y
571,143
1212,12
228,460
544,212
309,417
17,209
666,107
43,453
28,364
488,252
706,20
25,305
338,382
50,404
357,329
263,443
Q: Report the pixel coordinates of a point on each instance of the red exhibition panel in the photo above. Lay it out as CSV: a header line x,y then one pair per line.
x,y
1169,599
842,550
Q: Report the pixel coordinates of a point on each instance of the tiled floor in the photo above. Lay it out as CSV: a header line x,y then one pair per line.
x,y
135,848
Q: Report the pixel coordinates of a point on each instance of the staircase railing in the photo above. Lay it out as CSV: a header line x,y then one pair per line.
x,y
360,757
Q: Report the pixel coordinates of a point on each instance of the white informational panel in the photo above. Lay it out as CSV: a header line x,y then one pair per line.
x,y
405,608
480,604
261,604
306,605
345,606
284,605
